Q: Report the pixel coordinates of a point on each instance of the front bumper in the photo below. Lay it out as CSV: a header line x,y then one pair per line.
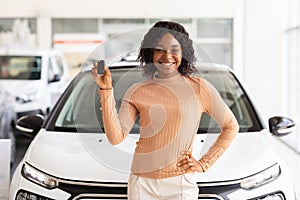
x,y
22,188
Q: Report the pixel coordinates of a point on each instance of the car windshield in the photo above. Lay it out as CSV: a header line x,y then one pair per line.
x,y
80,109
20,67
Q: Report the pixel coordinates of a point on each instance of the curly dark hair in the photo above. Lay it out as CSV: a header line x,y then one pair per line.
x,y
153,36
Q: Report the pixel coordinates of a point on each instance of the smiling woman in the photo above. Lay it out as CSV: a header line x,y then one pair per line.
x,y
170,104
71,135
167,56
180,47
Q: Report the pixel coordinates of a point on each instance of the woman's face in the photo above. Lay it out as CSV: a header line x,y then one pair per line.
x,y
167,56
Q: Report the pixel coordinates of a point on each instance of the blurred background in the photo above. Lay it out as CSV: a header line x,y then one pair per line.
x,y
259,40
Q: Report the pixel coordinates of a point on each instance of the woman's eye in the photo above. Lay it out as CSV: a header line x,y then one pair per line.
x,y
176,51
173,51
159,50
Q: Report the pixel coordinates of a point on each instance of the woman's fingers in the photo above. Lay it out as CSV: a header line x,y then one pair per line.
x,y
185,164
188,163
104,81
106,70
106,78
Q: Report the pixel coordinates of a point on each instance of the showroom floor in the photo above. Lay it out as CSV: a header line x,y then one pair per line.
x,y
291,158
22,144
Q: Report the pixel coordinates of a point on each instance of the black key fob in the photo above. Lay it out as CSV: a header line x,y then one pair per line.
x,y
100,67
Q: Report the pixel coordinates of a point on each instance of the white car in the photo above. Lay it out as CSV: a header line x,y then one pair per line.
x,y
71,158
34,78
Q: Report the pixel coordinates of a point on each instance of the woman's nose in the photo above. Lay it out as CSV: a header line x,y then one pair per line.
x,y
168,54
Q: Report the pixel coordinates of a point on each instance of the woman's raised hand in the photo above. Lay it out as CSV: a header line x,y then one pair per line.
x,y
104,81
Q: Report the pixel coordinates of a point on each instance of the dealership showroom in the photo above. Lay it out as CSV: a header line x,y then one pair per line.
x,y
52,139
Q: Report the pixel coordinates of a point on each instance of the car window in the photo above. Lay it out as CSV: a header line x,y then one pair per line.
x,y
235,98
59,63
50,72
20,67
81,109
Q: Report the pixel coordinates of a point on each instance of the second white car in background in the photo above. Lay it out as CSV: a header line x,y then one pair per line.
x,y
34,78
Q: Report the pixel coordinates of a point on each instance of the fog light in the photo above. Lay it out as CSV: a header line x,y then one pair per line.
x,y
25,195
273,196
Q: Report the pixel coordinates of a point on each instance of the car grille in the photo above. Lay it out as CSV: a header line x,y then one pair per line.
x,y
116,191
210,197
91,190
109,190
217,190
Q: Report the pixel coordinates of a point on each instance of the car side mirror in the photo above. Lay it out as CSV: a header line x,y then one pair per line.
x,y
281,126
56,78
30,125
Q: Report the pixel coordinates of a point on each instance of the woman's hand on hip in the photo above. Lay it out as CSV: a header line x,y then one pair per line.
x,y
188,164
104,81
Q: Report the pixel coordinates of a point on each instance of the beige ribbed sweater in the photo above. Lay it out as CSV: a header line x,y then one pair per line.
x,y
170,111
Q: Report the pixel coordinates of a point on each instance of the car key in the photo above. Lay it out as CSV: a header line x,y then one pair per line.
x,y
100,68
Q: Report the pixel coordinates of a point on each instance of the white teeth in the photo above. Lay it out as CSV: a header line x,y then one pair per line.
x,y
168,64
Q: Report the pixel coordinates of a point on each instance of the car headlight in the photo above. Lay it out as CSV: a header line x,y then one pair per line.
x,y
38,177
25,98
261,178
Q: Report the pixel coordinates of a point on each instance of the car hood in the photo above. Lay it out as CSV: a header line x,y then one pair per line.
x,y
90,157
80,156
248,154
18,87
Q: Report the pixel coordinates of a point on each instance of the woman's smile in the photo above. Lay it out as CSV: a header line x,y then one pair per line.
x,y
167,56
168,64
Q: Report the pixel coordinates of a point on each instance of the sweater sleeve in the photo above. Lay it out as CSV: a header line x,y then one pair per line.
x,y
117,125
214,105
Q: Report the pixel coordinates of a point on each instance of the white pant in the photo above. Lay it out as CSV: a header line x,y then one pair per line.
x,y
183,187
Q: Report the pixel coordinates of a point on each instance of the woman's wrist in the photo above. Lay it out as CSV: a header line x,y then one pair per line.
x,y
199,161
105,88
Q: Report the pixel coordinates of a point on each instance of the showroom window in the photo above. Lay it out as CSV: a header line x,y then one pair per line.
x,y
292,63
215,36
123,21
293,38
75,25
18,31
112,27
292,57
75,36
7,24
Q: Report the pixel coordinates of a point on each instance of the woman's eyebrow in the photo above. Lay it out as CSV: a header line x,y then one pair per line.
x,y
159,45
162,46
176,45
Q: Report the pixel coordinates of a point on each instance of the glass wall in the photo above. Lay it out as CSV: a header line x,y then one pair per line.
x,y
8,24
292,62
213,35
216,37
75,25
18,31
